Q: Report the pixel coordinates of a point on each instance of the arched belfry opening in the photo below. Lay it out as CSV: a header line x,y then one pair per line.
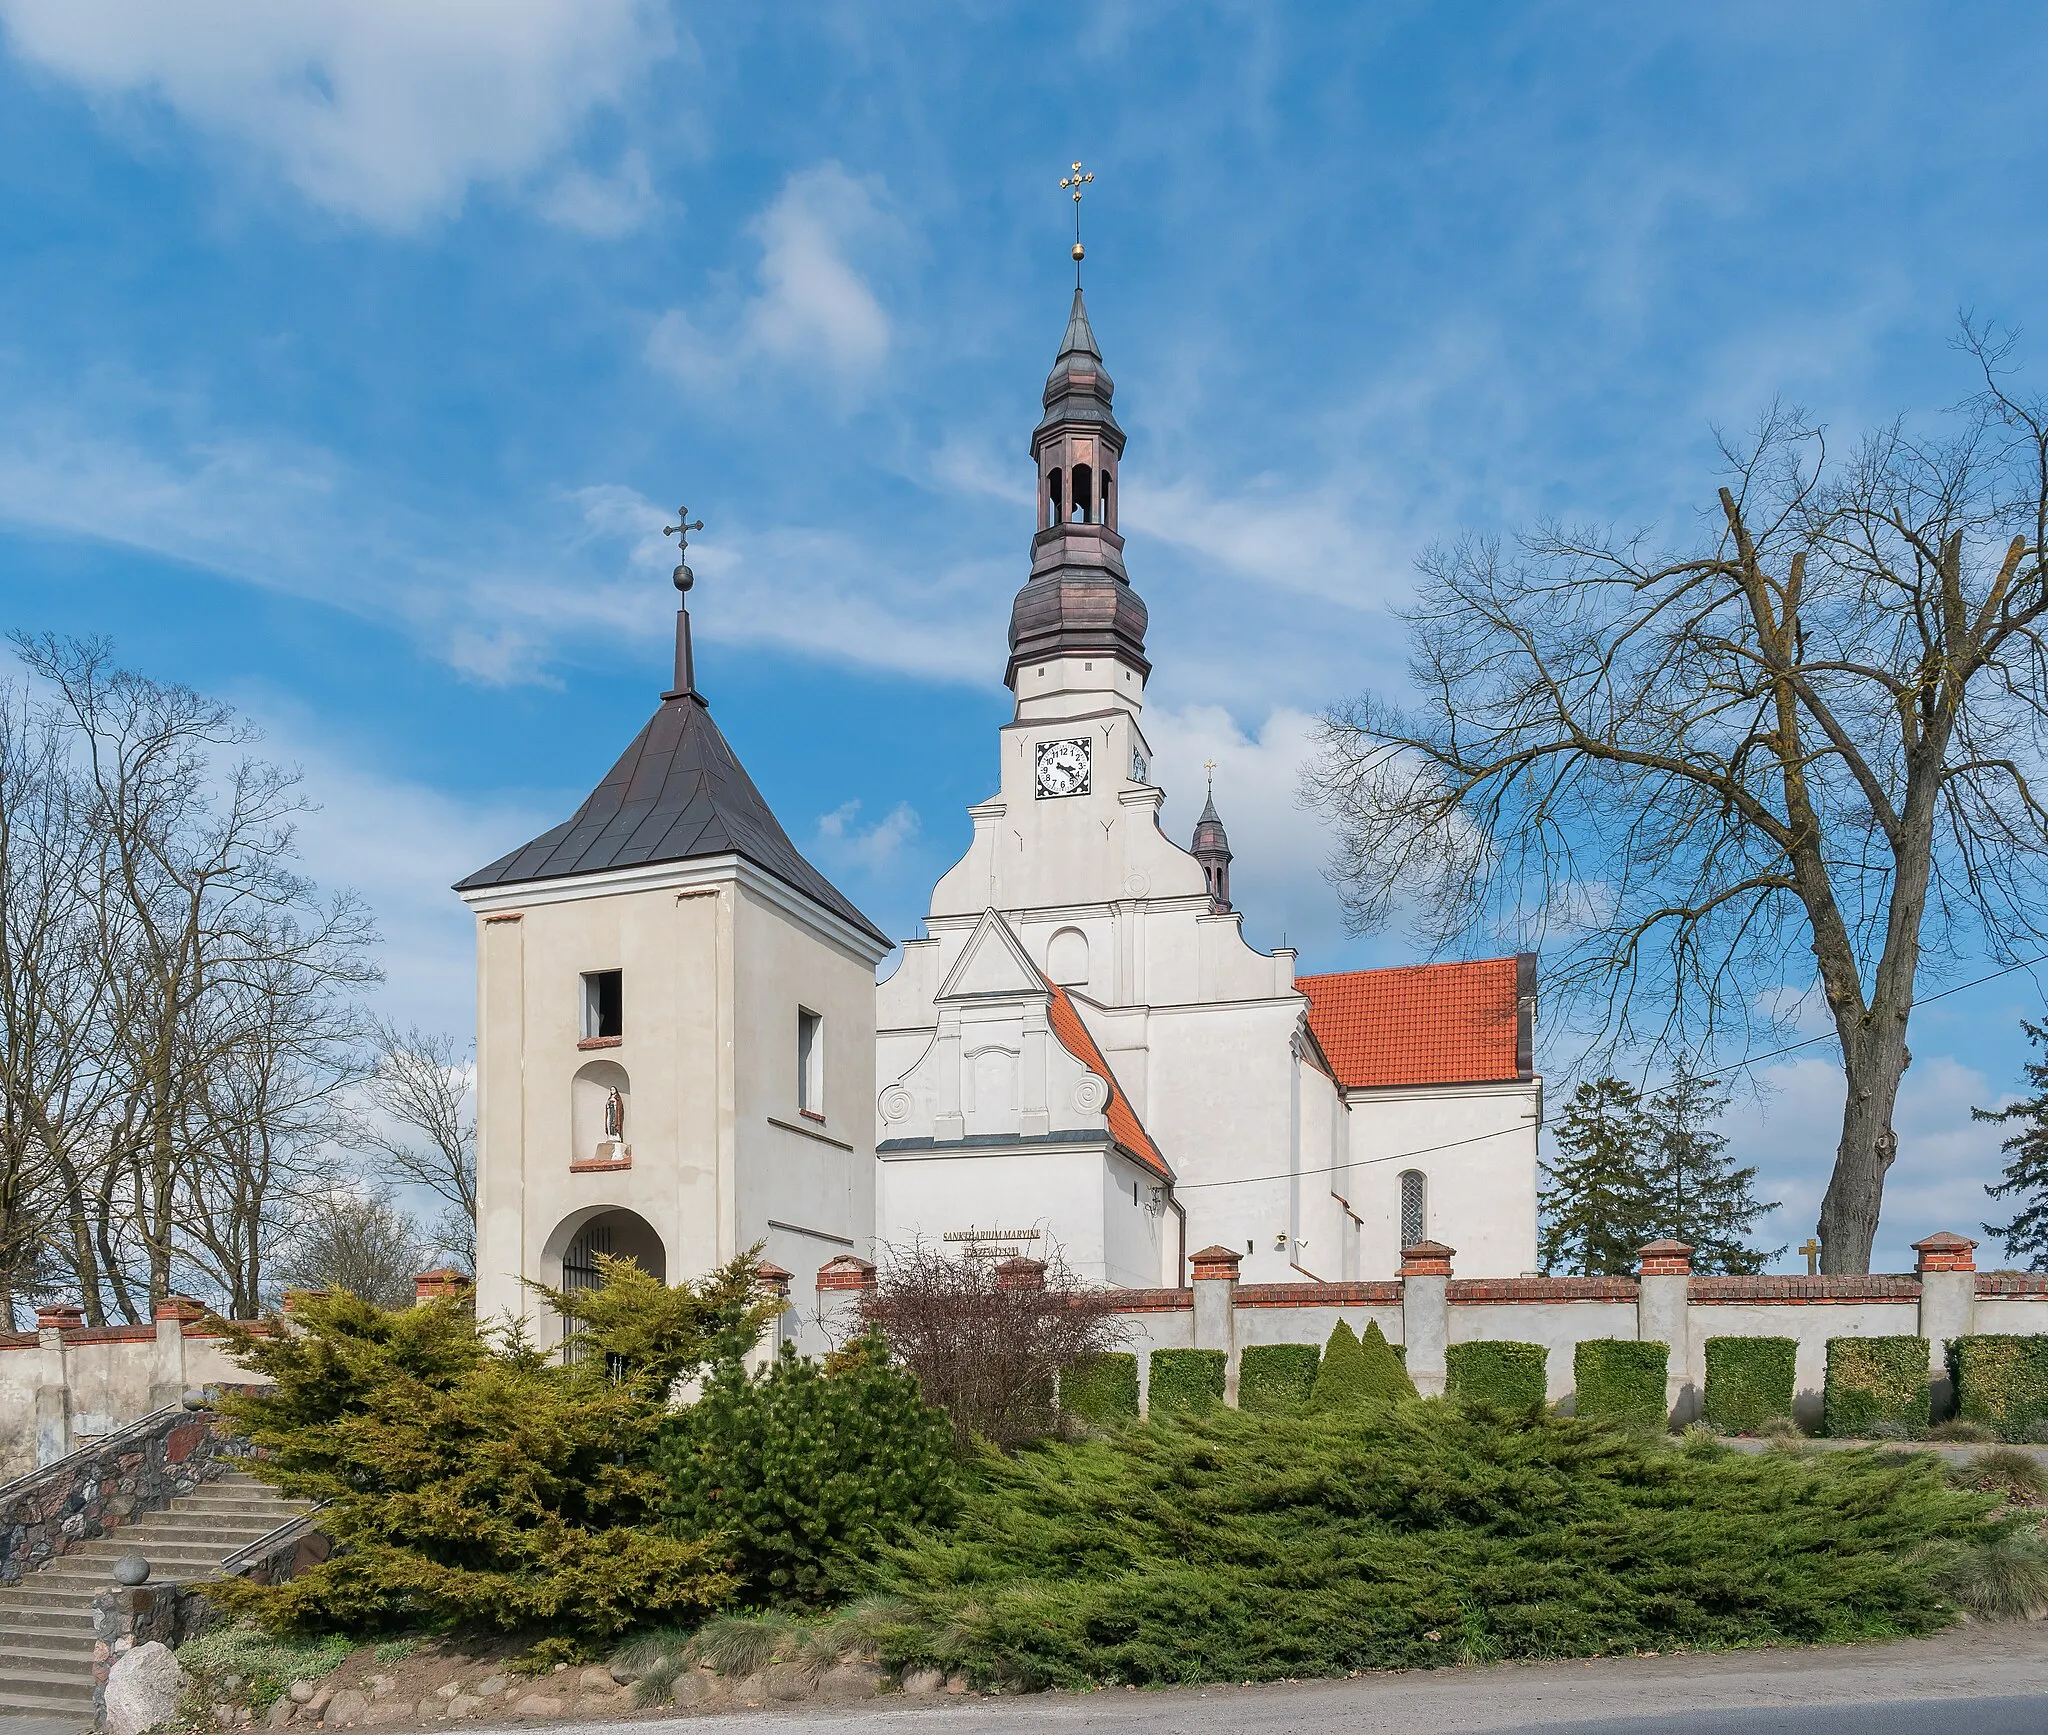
x,y
1055,497
1084,479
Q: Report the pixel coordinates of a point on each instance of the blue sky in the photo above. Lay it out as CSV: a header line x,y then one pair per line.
x,y
351,352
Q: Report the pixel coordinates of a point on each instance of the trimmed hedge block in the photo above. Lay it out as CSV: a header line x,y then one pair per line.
x,y
1185,1381
1276,1376
1509,1376
1750,1381
2002,1382
1877,1388
1621,1380
1101,1388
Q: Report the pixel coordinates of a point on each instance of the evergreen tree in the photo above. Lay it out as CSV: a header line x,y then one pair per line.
x,y
1342,1377
2026,1176
1596,1211
1693,1193
1386,1376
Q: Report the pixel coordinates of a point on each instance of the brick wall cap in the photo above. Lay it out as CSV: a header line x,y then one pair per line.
x,y
443,1274
1428,1250
1214,1255
1019,1272
59,1316
1664,1250
1943,1241
178,1307
769,1272
846,1271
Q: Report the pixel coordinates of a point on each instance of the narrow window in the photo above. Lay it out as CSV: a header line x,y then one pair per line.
x,y
1414,1208
603,1005
1052,499
1081,491
810,1064
1106,515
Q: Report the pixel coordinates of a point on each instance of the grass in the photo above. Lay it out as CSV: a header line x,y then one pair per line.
x,y
736,1646
2009,1471
1232,1547
268,1662
1957,1431
395,1650
2004,1576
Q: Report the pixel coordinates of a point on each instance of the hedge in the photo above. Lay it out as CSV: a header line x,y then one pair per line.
x,y
1186,1381
1749,1381
1276,1376
1621,1380
1507,1375
2002,1382
1101,1388
1876,1387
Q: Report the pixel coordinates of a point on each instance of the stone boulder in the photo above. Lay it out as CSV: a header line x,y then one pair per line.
x,y
143,1689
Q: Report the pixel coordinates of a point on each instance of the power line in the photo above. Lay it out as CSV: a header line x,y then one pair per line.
x,y
1502,1132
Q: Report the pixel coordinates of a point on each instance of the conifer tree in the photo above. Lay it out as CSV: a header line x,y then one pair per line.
x,y
1342,1377
1596,1210
1385,1376
1694,1194
2025,1178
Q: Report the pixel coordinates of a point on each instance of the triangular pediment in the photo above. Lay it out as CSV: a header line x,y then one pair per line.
x,y
993,965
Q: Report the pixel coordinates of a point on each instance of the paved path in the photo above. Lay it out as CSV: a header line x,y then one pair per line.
x,y
1975,1681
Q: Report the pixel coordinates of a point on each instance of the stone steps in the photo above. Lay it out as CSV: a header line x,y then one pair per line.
x,y
46,1638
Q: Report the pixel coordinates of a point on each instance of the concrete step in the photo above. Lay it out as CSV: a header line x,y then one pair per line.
x,y
21,1702
65,1675
25,1617
30,1649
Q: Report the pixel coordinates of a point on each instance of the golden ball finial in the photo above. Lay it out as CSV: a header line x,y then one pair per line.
x,y
1078,253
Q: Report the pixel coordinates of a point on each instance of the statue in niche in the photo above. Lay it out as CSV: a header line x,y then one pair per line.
x,y
614,1116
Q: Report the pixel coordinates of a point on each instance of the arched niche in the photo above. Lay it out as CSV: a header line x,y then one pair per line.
x,y
1066,959
569,1259
594,1113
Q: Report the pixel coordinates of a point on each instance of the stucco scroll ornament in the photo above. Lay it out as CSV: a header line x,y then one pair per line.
x,y
1091,1094
897,1103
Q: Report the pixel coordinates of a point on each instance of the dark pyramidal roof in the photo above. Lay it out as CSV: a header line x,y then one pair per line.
x,y
678,793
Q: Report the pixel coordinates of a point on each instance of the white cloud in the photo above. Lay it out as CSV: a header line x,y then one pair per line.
x,y
605,206
386,111
813,307
842,840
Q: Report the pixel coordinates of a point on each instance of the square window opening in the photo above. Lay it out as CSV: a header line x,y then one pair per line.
x,y
810,1063
603,1004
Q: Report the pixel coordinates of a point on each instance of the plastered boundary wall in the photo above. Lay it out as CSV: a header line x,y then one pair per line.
x,y
67,1384
1427,1309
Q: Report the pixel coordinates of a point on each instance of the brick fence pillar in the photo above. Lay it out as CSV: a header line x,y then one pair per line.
x,y
845,1284
1426,1313
1947,1265
53,1381
167,1374
1664,1315
1214,1277
1021,1273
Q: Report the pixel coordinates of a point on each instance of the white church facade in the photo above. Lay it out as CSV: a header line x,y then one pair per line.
x,y
682,1050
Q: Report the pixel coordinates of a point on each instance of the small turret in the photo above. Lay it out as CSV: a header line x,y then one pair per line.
x,y
1212,849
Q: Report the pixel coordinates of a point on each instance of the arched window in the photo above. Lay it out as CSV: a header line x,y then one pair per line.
x,y
1066,959
1414,1207
1083,486
1053,499
1108,513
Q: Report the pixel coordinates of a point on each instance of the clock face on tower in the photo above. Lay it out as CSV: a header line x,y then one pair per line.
x,y
1062,768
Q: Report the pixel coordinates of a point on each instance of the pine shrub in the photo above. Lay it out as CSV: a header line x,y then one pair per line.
x,y
1750,1381
1877,1388
2001,1382
1386,1373
1238,1548
1621,1380
1344,1377
802,1470
480,1483
1102,1387
1186,1382
1276,1376
1509,1376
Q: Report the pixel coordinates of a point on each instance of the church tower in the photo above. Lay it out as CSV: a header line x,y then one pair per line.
x,y
1211,848
675,1031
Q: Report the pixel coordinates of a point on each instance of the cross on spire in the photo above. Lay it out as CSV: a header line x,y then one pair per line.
x,y
1076,181
1209,765
686,667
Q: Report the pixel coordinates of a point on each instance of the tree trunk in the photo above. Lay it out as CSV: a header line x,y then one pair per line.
x,y
1872,1068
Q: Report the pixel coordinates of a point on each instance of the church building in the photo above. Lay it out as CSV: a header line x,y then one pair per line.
x,y
682,1050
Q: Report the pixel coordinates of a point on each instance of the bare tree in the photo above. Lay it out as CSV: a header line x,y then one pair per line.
x,y
1817,732
987,1340
366,1243
422,1121
221,970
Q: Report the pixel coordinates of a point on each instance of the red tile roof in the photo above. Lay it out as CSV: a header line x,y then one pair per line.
x,y
1124,1125
1423,1024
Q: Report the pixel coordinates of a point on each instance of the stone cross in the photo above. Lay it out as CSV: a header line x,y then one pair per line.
x,y
1812,1252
